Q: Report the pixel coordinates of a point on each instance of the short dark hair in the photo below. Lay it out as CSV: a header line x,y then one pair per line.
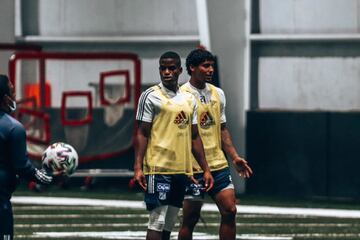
x,y
172,55
196,57
4,86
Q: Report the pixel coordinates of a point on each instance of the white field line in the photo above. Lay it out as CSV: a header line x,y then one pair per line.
x,y
134,215
83,208
317,212
140,235
80,225
307,235
63,201
92,225
59,216
197,236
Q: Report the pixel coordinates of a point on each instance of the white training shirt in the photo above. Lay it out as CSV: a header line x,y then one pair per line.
x,y
204,95
150,103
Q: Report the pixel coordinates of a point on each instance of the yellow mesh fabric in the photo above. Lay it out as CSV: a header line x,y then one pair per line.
x,y
169,146
210,130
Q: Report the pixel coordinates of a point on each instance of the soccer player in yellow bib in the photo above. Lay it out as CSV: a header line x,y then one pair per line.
x,y
167,136
216,139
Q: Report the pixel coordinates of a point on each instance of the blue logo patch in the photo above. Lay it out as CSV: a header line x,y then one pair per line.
x,y
163,187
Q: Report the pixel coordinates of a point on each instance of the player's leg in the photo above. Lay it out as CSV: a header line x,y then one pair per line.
x,y
156,204
170,219
156,223
161,219
226,202
6,221
191,208
153,235
177,193
163,198
191,215
166,235
223,195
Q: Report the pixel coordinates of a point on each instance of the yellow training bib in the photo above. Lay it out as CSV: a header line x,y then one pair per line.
x,y
209,129
169,146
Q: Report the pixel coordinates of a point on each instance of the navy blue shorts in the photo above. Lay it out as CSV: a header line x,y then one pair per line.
x,y
222,179
6,220
165,189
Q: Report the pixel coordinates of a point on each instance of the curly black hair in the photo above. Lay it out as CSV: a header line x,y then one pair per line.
x,y
196,57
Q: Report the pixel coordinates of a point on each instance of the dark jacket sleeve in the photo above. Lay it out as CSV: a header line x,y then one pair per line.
x,y
20,161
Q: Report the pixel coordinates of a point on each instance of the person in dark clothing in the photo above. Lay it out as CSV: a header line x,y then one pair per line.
x,y
14,162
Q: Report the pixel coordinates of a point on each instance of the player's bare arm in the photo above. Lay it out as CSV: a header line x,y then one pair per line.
x,y
240,163
199,154
142,136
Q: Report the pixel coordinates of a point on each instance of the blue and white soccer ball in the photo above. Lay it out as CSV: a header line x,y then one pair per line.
x,y
61,158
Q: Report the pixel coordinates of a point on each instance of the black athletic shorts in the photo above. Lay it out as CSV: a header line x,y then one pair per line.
x,y
165,189
222,179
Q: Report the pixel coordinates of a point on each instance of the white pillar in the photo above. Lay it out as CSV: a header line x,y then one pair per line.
x,y
203,23
228,26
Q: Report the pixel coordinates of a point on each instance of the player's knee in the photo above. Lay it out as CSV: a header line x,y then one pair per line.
x,y
192,219
157,226
157,219
229,213
170,219
163,218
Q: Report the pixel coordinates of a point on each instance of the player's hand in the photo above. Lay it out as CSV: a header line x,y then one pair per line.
x,y
139,177
209,180
54,173
42,176
242,167
193,180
